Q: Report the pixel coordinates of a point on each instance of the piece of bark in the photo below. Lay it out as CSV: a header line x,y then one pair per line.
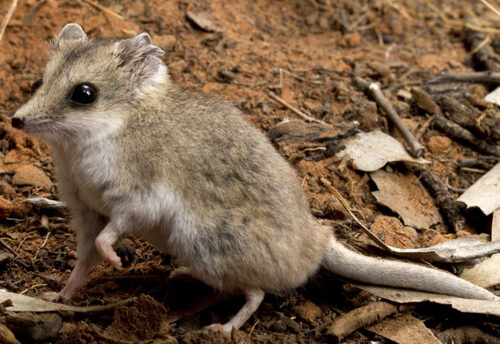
x,y
349,322
445,201
473,77
460,133
485,57
425,102
466,334
468,117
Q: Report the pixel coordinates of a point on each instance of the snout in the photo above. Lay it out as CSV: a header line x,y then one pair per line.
x,y
17,122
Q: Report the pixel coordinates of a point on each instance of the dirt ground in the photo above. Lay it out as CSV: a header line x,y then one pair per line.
x,y
305,52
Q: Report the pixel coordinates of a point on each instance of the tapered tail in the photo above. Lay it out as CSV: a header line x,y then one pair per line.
x,y
352,265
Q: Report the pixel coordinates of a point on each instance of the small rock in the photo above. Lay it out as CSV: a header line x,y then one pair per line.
x,y
53,282
14,156
279,326
312,18
438,144
308,311
166,42
177,68
380,69
31,175
34,327
202,21
226,75
350,40
6,208
290,323
404,95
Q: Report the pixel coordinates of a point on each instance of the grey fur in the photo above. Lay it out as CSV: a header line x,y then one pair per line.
x,y
190,175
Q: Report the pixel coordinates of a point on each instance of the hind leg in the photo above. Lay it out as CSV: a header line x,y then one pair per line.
x,y
253,299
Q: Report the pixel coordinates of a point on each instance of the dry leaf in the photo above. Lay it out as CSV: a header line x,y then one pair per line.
x,y
460,304
371,151
404,195
485,193
23,303
485,274
404,329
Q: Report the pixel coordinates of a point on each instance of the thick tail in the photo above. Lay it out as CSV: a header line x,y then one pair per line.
x,y
352,265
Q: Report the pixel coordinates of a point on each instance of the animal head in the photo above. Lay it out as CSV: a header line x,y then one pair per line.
x,y
89,85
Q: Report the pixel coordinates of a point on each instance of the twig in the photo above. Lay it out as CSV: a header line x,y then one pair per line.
x,y
479,77
298,77
43,245
491,7
460,22
423,128
349,322
368,232
301,114
6,20
374,90
104,9
33,287
445,201
458,132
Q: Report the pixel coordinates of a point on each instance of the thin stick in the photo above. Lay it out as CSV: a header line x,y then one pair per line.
x,y
43,245
479,77
491,7
104,9
301,114
373,89
423,128
6,20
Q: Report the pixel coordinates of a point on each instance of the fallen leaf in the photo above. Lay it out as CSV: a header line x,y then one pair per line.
x,y
46,203
495,225
494,96
371,151
485,274
23,303
452,251
404,195
404,329
485,192
460,304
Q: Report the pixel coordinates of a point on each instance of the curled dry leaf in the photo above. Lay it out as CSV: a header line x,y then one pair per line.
x,y
404,329
485,193
23,303
453,251
371,151
409,296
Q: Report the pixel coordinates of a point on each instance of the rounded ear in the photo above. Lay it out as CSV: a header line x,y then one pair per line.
x,y
70,33
140,59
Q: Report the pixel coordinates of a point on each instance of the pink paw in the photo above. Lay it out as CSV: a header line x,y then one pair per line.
x,y
108,253
222,329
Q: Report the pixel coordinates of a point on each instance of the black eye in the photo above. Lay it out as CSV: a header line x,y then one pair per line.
x,y
35,86
84,94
